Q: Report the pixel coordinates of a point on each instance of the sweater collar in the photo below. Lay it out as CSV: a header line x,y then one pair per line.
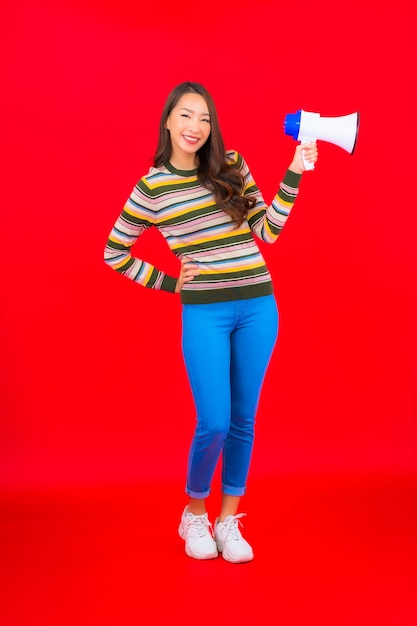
x,y
174,170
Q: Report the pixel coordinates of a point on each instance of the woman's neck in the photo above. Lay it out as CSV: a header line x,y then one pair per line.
x,y
184,162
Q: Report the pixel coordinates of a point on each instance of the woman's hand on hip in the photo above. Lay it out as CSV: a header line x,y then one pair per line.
x,y
187,273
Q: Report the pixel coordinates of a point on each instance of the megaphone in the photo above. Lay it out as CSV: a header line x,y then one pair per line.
x,y
305,126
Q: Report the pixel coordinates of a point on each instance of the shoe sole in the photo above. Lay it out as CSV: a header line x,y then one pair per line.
x,y
231,559
201,557
246,559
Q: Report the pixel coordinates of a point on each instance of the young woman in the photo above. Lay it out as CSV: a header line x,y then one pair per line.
x,y
206,204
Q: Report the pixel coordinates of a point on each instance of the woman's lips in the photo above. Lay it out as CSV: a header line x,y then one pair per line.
x,y
191,140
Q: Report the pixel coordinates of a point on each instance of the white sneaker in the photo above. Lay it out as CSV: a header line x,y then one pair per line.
x,y
197,533
230,541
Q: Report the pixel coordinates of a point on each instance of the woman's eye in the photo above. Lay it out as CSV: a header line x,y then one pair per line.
x,y
205,120
184,115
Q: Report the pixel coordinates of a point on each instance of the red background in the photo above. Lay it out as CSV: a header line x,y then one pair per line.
x,y
92,382
96,414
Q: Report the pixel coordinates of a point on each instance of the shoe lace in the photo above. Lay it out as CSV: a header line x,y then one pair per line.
x,y
200,524
231,527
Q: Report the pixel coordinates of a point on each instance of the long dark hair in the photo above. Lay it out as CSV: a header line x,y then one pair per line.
x,y
214,172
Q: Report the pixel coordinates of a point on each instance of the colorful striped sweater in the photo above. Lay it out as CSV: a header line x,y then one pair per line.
x,y
230,262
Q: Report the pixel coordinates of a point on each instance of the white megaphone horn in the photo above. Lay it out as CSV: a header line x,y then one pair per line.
x,y
306,127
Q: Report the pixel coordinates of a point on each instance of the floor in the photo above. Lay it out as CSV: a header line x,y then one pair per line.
x,y
329,551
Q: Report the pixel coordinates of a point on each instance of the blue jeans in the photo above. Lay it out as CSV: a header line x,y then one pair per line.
x,y
227,347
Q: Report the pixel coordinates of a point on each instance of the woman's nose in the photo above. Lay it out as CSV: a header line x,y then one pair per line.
x,y
194,125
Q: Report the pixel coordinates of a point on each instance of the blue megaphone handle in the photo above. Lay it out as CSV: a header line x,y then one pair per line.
x,y
292,124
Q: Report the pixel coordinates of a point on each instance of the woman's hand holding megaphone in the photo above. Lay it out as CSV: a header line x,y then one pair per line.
x,y
304,152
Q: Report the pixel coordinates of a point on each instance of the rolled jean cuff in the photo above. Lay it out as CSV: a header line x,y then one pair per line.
x,y
198,495
233,491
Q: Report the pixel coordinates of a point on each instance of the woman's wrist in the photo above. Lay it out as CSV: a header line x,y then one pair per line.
x,y
295,168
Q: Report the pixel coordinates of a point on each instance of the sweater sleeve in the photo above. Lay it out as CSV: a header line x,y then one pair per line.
x,y
137,215
267,222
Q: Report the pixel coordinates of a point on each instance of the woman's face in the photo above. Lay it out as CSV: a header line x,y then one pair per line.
x,y
189,128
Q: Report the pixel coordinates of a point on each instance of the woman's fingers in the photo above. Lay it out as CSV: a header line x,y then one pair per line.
x,y
188,271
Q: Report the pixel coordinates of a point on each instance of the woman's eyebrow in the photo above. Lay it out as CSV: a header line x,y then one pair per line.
x,y
191,111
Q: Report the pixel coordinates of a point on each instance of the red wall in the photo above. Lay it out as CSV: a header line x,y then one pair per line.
x,y
91,368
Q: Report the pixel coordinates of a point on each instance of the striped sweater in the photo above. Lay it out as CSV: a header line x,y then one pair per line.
x,y
230,263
